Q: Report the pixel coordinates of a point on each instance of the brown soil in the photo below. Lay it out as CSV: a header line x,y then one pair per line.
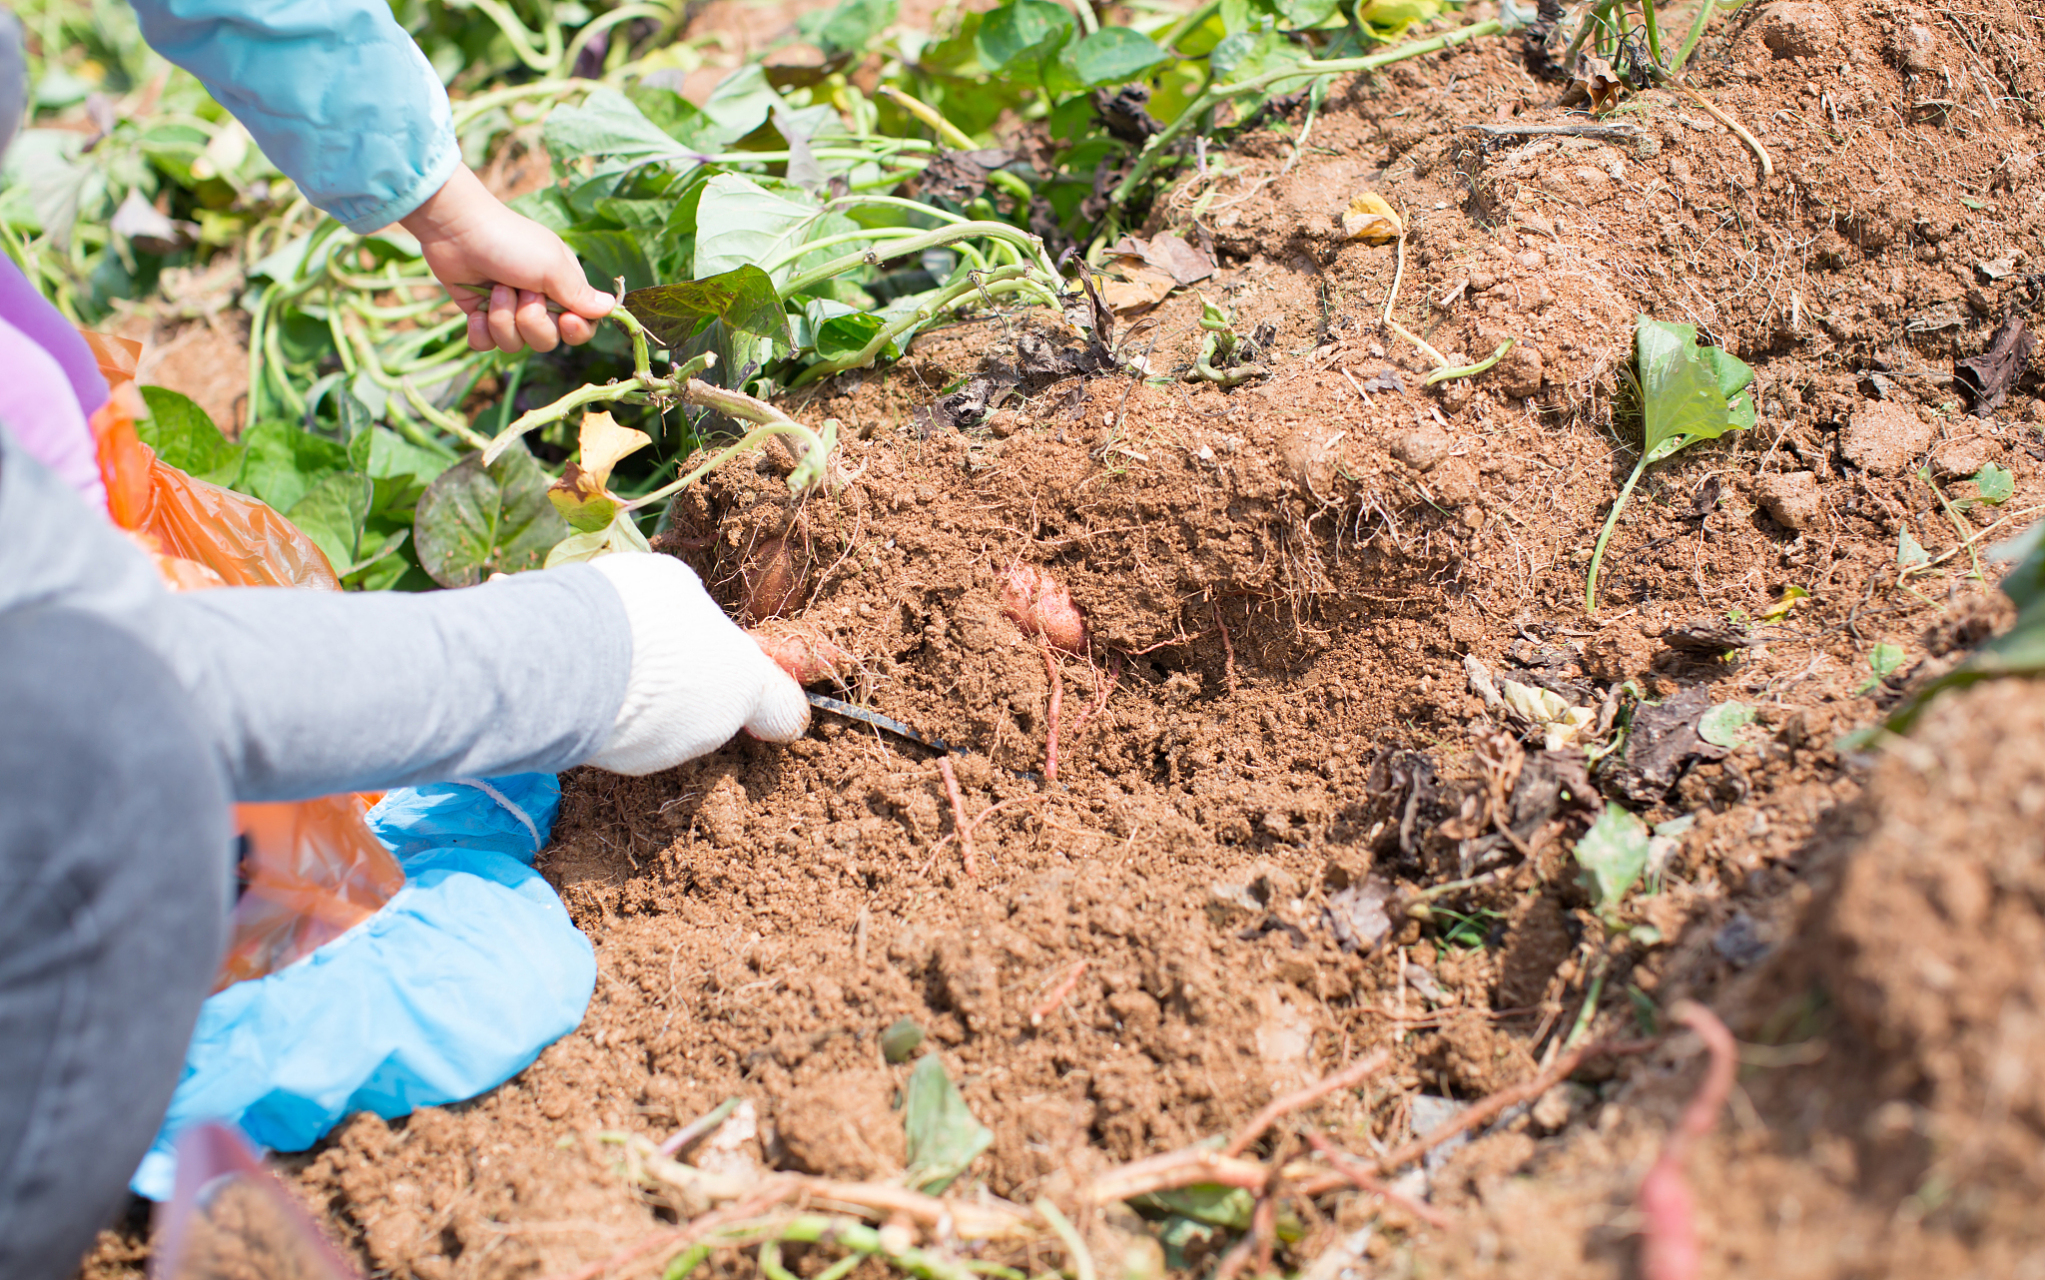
x,y
1282,583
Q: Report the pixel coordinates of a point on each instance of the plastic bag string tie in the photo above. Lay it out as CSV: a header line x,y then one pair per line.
x,y
505,800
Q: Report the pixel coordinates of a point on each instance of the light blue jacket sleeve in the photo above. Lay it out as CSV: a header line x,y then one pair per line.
x,y
334,92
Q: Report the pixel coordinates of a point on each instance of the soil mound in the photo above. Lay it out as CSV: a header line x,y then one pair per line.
x,y
1273,754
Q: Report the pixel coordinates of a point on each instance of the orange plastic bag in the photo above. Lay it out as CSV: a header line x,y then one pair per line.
x,y
241,542
312,870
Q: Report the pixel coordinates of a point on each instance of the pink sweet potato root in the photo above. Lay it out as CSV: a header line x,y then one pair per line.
x,y
806,653
1043,608
1669,1248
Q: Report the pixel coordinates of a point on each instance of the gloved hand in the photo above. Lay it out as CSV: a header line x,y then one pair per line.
x,y
696,678
469,236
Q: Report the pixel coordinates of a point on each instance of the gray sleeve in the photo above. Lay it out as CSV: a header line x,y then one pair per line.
x,y
309,693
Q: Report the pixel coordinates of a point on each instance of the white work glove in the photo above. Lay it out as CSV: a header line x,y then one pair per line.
x,y
696,678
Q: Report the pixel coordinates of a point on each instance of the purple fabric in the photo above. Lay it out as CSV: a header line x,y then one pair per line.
x,y
39,407
49,384
27,310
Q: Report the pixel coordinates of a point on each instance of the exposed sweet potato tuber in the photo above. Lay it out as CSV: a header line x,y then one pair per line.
x,y
1043,608
805,652
772,581
1669,1246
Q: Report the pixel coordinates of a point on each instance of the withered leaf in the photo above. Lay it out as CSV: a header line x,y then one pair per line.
x,y
582,500
1986,379
582,494
1141,287
604,444
1168,252
1600,82
1371,219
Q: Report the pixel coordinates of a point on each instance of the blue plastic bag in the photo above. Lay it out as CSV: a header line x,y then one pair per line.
x,y
451,989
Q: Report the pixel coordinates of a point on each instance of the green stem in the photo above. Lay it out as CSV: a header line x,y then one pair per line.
x,y
1305,69
1590,590
860,1238
449,422
273,352
771,422
841,1268
1468,370
949,133
642,359
807,247
1013,185
882,146
622,392
596,27
403,311
1591,22
257,320
1589,1012
895,202
695,1256
1089,21
452,423
999,281
469,108
1654,34
1185,25
1696,34
913,245
1610,35
1224,378
636,390
1082,1258
770,1261
342,344
1966,534
521,39
887,181
510,394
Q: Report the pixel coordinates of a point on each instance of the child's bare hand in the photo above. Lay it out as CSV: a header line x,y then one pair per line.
x,y
502,269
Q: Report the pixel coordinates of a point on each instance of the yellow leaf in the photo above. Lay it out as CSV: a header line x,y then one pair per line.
x,y
1390,17
581,498
1791,597
604,443
1370,219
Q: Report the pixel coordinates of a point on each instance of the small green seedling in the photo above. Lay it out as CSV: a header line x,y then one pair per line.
x,y
1995,484
1225,359
1721,725
1910,553
1687,393
944,1137
1613,853
1884,660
